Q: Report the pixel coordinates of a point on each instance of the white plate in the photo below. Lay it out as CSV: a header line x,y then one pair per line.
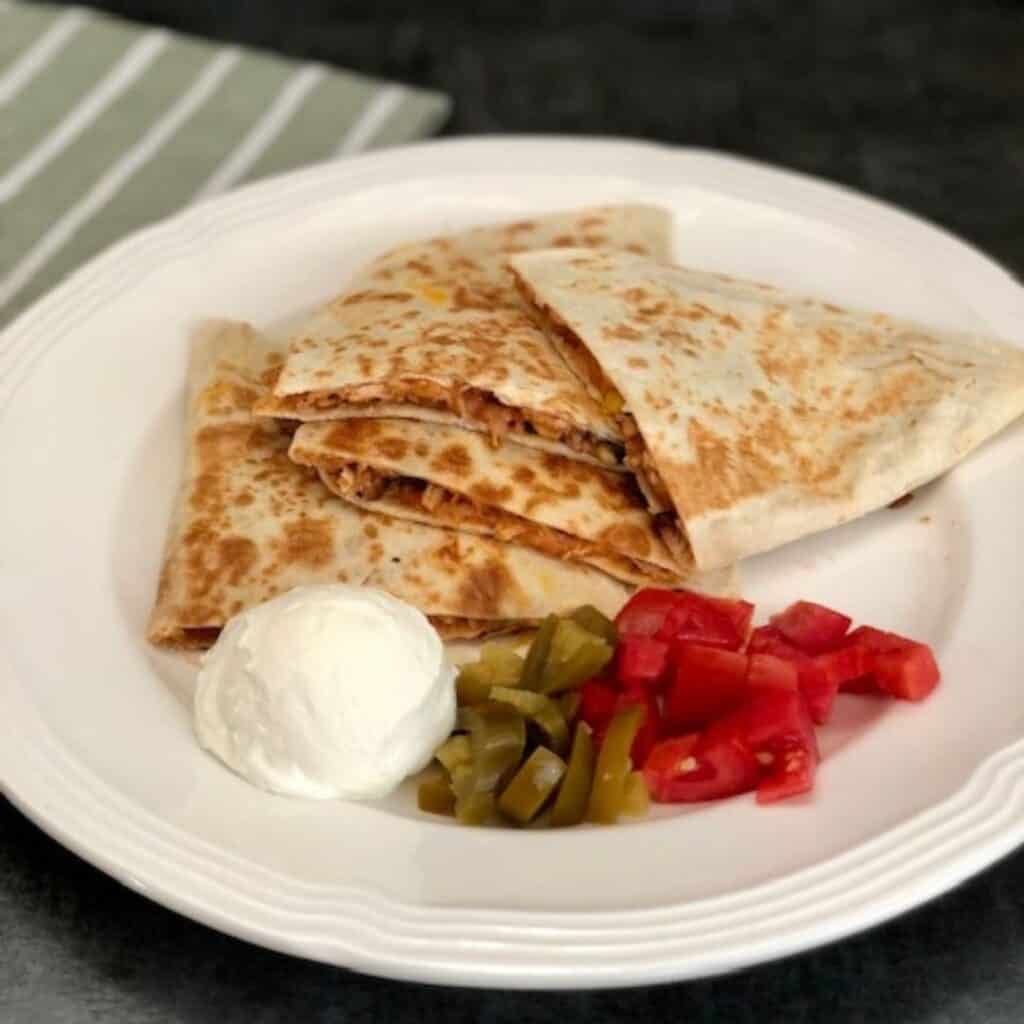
x,y
95,738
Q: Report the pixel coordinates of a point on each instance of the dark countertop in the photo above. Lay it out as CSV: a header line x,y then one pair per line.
x,y
914,101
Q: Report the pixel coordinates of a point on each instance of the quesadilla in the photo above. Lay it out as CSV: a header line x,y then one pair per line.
x,y
250,524
436,332
753,416
446,476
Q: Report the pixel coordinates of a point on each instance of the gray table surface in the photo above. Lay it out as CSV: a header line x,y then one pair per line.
x,y
917,102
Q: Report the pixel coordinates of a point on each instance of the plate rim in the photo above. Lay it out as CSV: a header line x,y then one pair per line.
x,y
414,941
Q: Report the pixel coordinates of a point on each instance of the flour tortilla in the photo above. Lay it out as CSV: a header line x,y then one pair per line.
x,y
447,476
754,416
436,331
249,524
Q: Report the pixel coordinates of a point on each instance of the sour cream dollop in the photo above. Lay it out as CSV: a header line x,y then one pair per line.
x,y
326,691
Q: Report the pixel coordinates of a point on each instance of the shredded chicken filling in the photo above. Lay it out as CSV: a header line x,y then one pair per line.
x,y
639,460
584,365
365,483
670,531
472,404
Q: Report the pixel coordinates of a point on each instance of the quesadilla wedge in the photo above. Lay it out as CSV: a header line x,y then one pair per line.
x,y
451,477
249,524
753,416
436,331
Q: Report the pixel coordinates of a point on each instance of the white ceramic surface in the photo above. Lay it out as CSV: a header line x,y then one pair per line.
x,y
95,737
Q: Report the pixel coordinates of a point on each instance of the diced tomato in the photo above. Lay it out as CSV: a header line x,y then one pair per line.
x,y
686,615
767,743
650,728
848,668
910,673
668,760
641,661
877,640
644,613
770,670
795,778
874,661
818,690
697,620
739,613
781,738
714,765
705,684
598,700
811,627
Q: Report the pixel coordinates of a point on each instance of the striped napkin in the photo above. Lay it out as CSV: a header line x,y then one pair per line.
x,y
106,126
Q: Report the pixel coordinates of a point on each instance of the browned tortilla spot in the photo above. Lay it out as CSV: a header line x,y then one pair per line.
x,y
223,442
623,332
453,459
392,447
357,436
483,590
370,295
489,494
308,542
480,296
627,537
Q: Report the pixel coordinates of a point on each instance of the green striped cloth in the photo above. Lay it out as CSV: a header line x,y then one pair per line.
x,y
106,126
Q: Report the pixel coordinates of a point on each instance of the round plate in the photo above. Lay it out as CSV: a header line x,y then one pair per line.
x,y
95,737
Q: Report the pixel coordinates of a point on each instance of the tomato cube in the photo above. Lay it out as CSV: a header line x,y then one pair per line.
x,y
715,764
705,684
847,668
686,615
768,743
696,620
818,690
769,670
598,700
668,760
812,627
795,778
650,728
895,665
739,613
875,640
781,737
641,661
644,613
910,673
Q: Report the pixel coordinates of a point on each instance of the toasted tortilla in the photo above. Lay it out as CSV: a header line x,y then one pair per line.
x,y
437,331
249,524
753,416
451,477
